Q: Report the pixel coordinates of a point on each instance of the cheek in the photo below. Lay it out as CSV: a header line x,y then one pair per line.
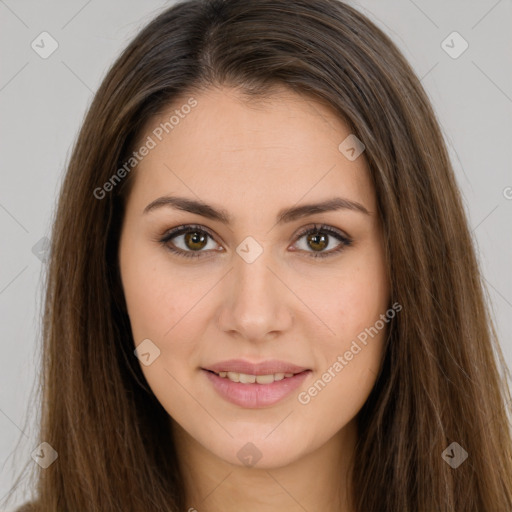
x,y
348,363
146,298
354,297
350,359
157,294
339,392
160,307
164,305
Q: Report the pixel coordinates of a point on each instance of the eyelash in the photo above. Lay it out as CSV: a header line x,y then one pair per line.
x,y
316,228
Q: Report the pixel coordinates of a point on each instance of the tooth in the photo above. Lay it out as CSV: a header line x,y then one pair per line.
x,y
247,379
265,379
235,377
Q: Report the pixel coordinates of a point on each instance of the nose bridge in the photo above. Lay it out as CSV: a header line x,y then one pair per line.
x,y
256,303
253,278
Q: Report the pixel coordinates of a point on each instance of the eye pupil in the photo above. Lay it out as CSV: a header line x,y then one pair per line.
x,y
195,238
317,239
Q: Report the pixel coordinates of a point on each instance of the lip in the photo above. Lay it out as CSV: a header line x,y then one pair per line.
x,y
262,368
255,396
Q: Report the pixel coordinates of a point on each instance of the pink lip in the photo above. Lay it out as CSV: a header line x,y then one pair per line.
x,y
263,368
254,396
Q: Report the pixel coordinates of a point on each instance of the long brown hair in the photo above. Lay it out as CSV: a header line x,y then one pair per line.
x,y
439,381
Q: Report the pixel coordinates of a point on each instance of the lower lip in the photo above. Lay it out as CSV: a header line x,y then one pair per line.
x,y
254,396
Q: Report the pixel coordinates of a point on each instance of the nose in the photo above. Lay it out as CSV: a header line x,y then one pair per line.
x,y
256,302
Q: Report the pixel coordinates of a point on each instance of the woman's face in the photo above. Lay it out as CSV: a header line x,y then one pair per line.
x,y
244,291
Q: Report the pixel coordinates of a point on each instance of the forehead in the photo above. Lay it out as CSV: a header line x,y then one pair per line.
x,y
283,146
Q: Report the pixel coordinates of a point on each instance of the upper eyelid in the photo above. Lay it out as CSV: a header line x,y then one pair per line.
x,y
322,227
182,229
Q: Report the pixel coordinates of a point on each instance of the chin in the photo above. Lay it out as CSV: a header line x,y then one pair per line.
x,y
259,453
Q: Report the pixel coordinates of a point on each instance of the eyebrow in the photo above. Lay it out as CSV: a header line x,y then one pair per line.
x,y
284,216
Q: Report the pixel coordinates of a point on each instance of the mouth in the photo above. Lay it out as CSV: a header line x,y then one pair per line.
x,y
263,368
247,378
259,385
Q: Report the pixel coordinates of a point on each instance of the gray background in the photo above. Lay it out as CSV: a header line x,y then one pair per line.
x,y
42,103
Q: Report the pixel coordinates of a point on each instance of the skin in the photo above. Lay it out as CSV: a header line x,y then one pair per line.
x,y
253,159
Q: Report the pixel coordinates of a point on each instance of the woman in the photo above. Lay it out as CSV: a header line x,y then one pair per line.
x,y
262,290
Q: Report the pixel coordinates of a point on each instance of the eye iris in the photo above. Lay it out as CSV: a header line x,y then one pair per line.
x,y
317,239
195,238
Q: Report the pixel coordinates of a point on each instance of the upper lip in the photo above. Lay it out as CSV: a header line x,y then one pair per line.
x,y
263,368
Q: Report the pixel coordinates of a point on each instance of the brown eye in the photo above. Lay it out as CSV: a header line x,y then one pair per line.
x,y
189,241
195,240
317,241
320,237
